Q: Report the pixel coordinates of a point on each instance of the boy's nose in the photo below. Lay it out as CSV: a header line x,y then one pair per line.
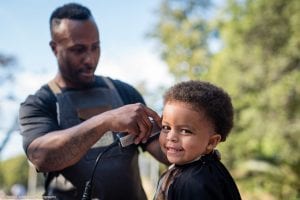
x,y
172,136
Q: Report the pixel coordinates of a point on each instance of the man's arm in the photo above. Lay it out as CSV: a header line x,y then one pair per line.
x,y
59,149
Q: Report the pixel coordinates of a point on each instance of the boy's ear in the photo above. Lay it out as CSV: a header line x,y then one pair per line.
x,y
213,142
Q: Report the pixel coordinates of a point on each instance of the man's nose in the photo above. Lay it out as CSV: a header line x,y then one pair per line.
x,y
90,58
87,58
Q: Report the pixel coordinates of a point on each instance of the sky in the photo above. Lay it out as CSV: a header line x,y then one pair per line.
x,y
126,53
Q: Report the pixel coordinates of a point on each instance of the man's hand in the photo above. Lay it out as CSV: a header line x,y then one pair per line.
x,y
134,119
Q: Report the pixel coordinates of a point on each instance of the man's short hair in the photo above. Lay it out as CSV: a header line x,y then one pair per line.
x,y
69,11
208,98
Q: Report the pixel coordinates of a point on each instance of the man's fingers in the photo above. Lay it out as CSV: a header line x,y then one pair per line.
x,y
145,129
152,114
136,120
140,135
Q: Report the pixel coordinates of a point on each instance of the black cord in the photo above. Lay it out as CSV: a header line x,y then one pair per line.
x,y
87,194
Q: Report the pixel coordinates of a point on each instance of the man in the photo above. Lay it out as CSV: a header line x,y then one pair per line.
x,y
68,121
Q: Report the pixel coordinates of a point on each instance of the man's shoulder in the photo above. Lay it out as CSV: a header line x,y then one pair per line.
x,y
127,92
43,95
117,83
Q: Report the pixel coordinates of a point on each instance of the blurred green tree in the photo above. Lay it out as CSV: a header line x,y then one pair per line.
x,y
7,77
183,33
259,65
14,170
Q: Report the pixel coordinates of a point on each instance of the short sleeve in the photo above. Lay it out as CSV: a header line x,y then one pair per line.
x,y
37,116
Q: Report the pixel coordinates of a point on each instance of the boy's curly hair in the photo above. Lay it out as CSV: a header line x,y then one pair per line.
x,y
204,96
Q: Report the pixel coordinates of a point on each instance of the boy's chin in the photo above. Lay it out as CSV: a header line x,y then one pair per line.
x,y
176,161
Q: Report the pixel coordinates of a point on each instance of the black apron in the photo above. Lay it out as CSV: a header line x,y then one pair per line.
x,y
117,175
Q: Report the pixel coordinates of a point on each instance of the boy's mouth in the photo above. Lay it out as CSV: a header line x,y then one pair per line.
x,y
173,149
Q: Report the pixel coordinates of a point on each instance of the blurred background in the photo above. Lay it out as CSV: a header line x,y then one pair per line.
x,y
249,48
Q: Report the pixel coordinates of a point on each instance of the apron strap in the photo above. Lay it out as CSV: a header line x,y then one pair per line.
x,y
57,90
111,86
54,87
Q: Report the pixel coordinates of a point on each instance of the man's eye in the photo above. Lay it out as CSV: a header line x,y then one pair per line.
x,y
78,50
95,48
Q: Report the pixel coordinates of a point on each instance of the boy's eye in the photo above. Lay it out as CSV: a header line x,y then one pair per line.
x,y
185,132
165,128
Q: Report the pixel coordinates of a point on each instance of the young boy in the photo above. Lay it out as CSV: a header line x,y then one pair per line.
x,y
196,117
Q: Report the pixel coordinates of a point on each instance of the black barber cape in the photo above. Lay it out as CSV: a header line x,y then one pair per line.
x,y
206,178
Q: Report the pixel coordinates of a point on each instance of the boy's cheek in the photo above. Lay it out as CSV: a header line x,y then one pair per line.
x,y
161,139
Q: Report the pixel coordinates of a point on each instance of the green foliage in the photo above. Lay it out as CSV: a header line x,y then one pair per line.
x,y
184,33
259,65
260,69
14,170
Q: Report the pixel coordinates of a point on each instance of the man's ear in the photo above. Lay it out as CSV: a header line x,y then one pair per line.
x,y
53,46
213,142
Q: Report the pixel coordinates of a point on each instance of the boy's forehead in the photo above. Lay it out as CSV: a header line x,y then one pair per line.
x,y
188,105
191,105
195,108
